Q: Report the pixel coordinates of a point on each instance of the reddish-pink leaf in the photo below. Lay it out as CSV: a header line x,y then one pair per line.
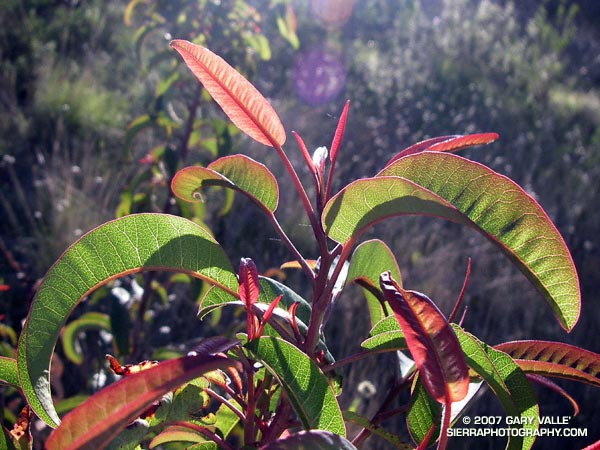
x,y
446,144
545,382
339,133
248,282
239,99
555,359
95,422
430,340
460,142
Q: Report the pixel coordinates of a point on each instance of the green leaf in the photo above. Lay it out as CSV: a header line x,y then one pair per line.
x,y
127,245
377,430
423,414
369,260
100,418
176,433
90,320
308,389
8,371
237,172
454,188
311,440
239,99
509,384
385,335
555,359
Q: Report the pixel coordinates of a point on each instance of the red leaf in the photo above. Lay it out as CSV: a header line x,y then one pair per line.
x,y
460,142
248,282
239,99
555,359
95,422
430,340
446,144
339,133
249,291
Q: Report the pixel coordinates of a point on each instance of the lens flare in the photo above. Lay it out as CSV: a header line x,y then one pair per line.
x,y
332,12
318,75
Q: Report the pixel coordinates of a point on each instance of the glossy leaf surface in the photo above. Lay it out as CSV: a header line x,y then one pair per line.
x,y
100,418
238,98
369,260
238,172
127,245
431,342
311,440
555,359
308,389
508,383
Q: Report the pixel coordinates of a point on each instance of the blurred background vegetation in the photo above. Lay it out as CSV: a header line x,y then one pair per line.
x,y
97,113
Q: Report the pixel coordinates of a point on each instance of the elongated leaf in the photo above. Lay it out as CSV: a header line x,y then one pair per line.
x,y
237,172
431,342
100,418
505,213
508,383
8,371
123,246
446,144
369,260
377,430
311,395
90,320
466,192
555,359
311,440
339,133
242,103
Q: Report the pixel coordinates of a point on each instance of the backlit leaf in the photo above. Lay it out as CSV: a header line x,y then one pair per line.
x,y
238,98
8,371
446,144
308,389
100,418
369,260
555,359
237,172
506,214
385,335
431,342
90,320
508,383
454,188
127,245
